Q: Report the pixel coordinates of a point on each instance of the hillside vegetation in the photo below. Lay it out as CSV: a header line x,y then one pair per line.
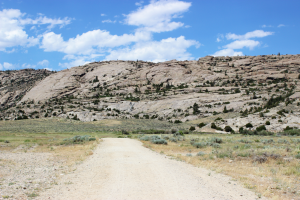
x,y
212,94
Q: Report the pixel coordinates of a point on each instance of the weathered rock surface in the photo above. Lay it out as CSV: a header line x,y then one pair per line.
x,y
165,91
14,84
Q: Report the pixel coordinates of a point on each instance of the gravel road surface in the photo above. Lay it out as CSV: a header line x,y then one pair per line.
x,y
123,169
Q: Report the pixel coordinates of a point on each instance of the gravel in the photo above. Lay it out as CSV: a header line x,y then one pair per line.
x,y
122,168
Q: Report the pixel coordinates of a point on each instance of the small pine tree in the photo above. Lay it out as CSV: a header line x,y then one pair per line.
x,y
225,110
192,128
195,108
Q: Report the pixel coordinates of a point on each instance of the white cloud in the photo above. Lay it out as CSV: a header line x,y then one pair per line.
x,y
109,21
241,41
89,42
10,51
26,66
280,25
13,23
45,20
253,34
43,63
139,3
102,14
228,52
156,51
7,66
157,16
78,60
220,37
239,44
266,26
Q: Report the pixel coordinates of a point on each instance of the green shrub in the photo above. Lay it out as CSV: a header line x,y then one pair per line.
x,y
201,125
291,132
224,155
177,121
173,139
297,156
243,154
200,153
261,128
288,128
265,133
284,141
159,141
174,130
166,137
293,140
216,145
216,140
268,123
75,118
267,141
192,128
77,139
249,125
246,141
199,145
189,154
124,132
228,129
145,138
261,114
154,137
92,139
241,129
213,125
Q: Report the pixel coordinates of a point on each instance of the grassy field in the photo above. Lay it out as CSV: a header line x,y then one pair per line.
x,y
56,135
270,166
53,132
59,125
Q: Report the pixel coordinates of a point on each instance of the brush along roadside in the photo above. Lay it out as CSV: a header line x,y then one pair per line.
x,y
268,165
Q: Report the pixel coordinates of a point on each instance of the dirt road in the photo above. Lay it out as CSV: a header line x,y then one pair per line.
x,y
124,169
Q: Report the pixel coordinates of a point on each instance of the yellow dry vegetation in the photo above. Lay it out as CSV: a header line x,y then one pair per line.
x,y
276,178
70,155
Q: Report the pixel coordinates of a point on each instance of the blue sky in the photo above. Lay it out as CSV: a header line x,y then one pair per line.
x,y
61,34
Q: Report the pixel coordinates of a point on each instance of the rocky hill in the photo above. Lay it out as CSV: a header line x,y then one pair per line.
x,y
232,91
14,84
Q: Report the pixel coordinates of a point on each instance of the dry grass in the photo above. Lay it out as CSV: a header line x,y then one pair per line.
x,y
277,178
65,155
44,136
70,155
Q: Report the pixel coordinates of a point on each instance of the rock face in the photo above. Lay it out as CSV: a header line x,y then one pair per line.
x,y
172,90
15,83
